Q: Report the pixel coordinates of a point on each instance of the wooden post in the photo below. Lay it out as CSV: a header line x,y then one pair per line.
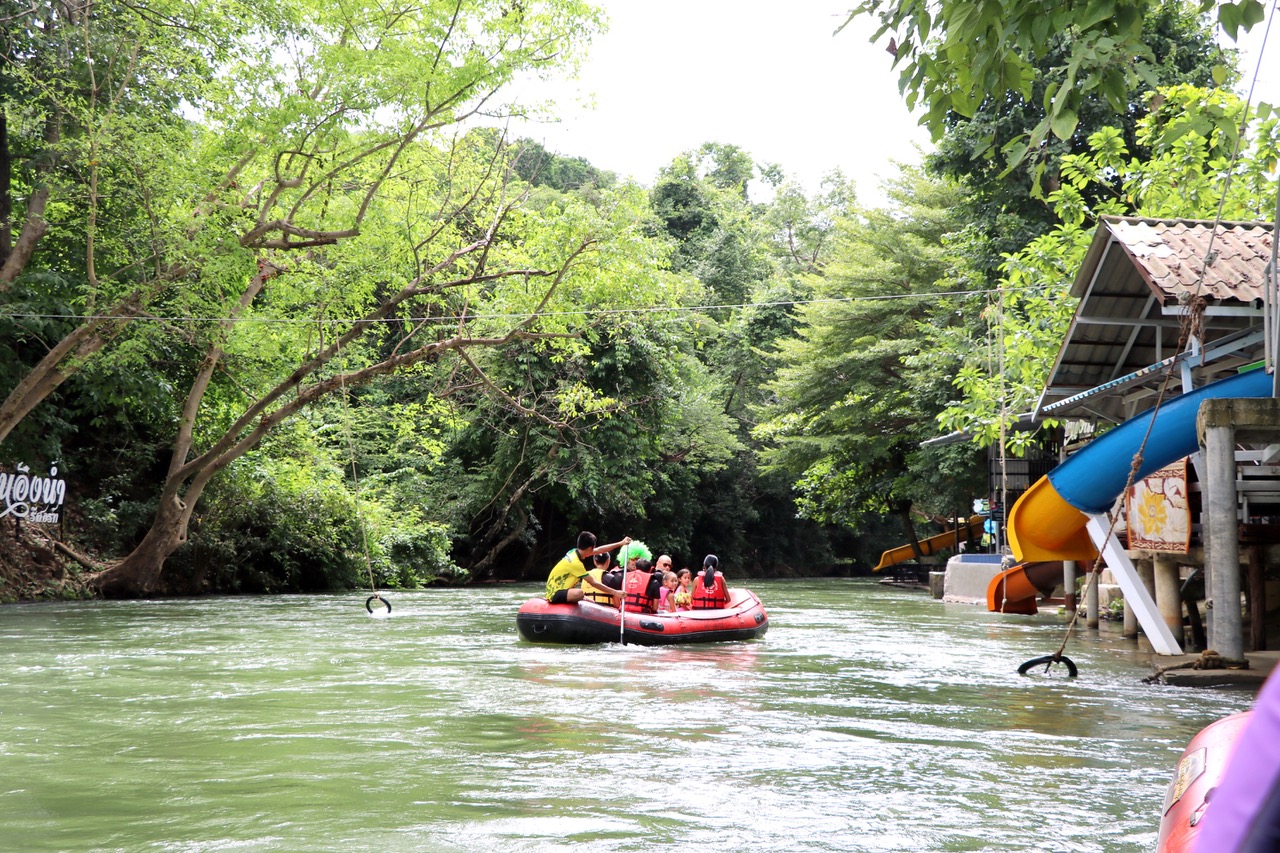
x,y
1257,592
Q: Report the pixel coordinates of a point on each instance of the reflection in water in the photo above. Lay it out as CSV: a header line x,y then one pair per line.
x,y
868,719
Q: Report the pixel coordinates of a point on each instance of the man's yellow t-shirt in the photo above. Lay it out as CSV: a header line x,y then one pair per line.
x,y
567,574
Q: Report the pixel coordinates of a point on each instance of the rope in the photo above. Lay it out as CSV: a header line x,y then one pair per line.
x,y
1209,659
1191,326
1191,320
355,479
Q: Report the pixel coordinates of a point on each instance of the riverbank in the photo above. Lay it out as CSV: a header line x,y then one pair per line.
x,y
1261,665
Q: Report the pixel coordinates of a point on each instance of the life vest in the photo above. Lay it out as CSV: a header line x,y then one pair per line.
x,y
715,598
636,593
590,593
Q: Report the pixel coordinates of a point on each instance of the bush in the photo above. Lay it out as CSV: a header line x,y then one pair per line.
x,y
414,556
256,533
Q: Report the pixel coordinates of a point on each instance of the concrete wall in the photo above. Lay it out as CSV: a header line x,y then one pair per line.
x,y
968,576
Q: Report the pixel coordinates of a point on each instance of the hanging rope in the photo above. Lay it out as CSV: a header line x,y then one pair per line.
x,y
622,605
1191,321
355,479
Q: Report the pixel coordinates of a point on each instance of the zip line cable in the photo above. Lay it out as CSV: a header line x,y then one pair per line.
x,y
453,320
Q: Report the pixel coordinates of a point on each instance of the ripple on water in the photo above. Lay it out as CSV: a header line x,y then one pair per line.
x,y
868,719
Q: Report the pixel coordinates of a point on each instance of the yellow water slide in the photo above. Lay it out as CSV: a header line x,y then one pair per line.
x,y
933,544
1043,529
1043,526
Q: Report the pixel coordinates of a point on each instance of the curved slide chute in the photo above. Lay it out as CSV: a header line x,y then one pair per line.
x,y
966,533
1049,521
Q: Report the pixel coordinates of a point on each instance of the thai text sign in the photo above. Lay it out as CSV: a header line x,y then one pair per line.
x,y
37,498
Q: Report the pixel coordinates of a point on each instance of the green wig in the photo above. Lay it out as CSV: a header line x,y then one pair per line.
x,y
636,550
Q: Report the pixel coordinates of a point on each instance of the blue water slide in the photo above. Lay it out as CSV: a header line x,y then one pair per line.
x,y
1094,477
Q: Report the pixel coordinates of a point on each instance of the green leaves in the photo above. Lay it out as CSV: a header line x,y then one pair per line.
x,y
1190,134
957,56
1241,15
857,388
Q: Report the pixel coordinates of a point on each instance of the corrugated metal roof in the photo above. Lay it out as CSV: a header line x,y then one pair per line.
x,y
1137,278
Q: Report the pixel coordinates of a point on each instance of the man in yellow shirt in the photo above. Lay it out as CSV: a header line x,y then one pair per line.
x,y
563,582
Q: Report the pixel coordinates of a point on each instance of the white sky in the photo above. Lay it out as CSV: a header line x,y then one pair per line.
x,y
771,78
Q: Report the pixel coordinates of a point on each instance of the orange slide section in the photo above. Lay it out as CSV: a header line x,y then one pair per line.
x,y
1043,526
1043,531
933,544
1015,590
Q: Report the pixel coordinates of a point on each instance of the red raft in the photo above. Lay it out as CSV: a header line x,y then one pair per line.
x,y
588,622
1199,771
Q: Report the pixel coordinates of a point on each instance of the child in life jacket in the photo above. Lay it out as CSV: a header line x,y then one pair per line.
x,y
682,598
601,574
667,595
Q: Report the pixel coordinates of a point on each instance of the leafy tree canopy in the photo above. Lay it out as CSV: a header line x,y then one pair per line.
x,y
956,54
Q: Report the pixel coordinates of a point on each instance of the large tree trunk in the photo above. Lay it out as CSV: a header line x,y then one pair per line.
x,y
903,509
189,472
139,573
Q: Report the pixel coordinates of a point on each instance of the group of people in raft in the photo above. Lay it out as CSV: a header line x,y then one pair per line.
x,y
644,586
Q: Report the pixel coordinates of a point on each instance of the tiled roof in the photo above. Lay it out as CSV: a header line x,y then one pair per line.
x,y
1171,256
1134,285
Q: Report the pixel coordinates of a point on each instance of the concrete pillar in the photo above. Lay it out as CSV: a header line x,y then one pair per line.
x,y
1222,542
1091,601
1130,630
1069,585
1146,573
1169,595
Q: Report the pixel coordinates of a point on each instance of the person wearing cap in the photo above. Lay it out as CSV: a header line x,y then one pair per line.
x,y
709,589
563,584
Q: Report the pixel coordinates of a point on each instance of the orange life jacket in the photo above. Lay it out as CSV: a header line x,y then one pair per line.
x,y
715,598
635,591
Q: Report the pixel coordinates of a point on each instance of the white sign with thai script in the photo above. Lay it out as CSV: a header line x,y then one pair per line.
x,y
37,498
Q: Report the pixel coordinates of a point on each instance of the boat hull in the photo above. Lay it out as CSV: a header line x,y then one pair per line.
x,y
587,622
1199,771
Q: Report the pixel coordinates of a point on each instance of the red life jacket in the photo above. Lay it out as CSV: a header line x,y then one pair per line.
x,y
715,598
635,592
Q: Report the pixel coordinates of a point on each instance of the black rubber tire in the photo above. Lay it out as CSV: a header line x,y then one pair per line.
x,y
368,604
1048,661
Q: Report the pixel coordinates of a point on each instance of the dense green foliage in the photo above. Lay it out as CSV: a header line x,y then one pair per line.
x,y
288,318
956,54
1200,166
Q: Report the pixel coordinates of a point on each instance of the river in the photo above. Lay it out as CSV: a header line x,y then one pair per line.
x,y
868,719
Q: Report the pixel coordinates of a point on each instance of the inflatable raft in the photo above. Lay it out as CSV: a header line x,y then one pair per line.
x,y
588,622
1195,781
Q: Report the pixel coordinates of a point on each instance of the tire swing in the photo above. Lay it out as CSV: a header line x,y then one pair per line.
x,y
1048,661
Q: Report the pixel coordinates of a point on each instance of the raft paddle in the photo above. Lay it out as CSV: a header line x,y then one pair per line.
x,y
622,605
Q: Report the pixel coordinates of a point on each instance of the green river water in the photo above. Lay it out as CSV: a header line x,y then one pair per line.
x,y
868,719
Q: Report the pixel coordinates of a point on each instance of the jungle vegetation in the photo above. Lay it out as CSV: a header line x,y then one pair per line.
x,y
282,311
